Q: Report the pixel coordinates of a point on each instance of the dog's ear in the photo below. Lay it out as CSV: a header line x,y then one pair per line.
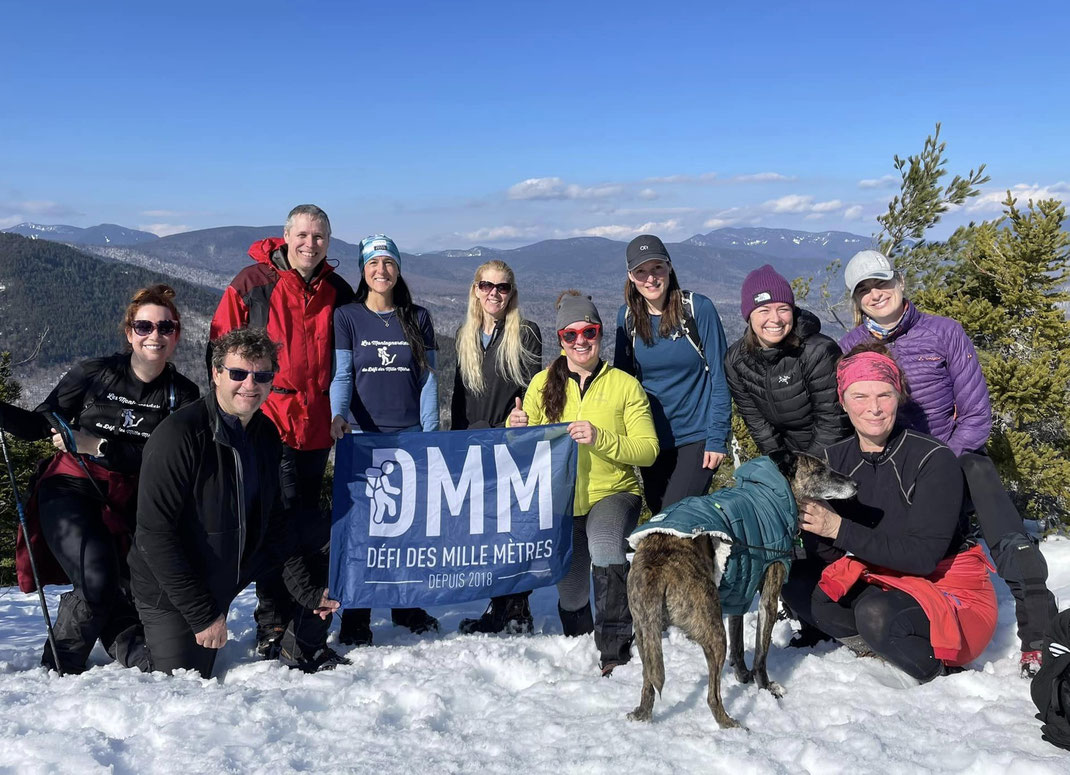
x,y
786,462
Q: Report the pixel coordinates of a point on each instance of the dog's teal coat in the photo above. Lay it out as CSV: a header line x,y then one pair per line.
x,y
759,511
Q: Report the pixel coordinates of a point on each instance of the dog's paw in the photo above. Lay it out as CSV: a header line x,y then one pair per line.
x,y
639,714
774,689
743,675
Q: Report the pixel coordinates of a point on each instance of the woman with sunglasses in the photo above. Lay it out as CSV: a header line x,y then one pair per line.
x,y
672,341
498,354
99,417
616,433
383,328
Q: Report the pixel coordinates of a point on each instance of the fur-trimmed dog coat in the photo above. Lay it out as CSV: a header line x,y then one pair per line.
x,y
758,517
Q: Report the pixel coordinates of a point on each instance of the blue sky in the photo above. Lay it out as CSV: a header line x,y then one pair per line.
x,y
455,124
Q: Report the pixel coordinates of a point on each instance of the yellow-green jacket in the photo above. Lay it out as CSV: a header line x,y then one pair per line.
x,y
616,404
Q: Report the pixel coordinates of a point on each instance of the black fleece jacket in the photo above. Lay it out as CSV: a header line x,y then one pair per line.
x,y
908,514
196,547
787,394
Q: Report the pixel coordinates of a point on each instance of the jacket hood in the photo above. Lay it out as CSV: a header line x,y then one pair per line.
x,y
272,253
262,250
806,323
763,473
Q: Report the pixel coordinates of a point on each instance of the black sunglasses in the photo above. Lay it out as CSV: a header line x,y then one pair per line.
x,y
259,377
487,286
146,327
589,333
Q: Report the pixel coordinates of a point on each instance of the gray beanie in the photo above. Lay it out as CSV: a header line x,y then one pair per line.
x,y
573,309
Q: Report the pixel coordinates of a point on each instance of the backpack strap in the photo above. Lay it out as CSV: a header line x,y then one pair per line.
x,y
691,327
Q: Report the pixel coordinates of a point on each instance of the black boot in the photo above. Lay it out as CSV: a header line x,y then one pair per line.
x,y
416,619
808,636
77,628
574,623
272,600
613,620
356,627
507,613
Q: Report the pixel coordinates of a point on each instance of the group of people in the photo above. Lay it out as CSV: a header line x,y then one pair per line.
x,y
160,506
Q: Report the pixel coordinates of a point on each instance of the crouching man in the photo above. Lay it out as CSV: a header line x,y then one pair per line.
x,y
210,515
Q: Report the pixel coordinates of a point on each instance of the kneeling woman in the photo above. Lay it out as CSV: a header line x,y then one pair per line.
x,y
86,495
913,590
615,434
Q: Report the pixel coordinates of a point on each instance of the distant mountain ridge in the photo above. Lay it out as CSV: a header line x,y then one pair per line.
x,y
102,234
785,243
713,264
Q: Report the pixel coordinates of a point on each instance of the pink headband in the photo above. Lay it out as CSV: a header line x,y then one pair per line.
x,y
866,367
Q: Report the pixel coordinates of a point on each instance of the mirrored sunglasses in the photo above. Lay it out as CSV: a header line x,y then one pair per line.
x,y
569,335
259,377
487,286
146,327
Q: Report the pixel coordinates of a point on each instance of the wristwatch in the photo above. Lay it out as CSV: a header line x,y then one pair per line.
x,y
102,448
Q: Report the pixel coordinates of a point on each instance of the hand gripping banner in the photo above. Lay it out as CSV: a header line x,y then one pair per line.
x,y
425,519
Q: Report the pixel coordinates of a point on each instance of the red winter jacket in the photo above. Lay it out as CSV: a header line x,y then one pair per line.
x,y
957,597
300,317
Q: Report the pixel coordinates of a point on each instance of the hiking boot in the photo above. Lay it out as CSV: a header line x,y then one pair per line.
x,y
807,637
416,619
324,659
268,642
576,623
1030,663
508,613
356,627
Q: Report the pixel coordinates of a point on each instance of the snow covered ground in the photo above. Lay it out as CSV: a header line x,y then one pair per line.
x,y
498,704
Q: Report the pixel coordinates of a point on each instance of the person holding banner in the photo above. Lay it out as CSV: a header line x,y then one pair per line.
x,y
384,375
672,341
498,354
99,417
616,433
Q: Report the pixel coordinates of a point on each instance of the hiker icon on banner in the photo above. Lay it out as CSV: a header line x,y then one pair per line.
x,y
379,489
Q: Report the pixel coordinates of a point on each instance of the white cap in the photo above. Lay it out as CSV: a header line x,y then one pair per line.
x,y
867,265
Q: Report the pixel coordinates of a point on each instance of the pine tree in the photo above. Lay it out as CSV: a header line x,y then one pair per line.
x,y
24,457
1006,286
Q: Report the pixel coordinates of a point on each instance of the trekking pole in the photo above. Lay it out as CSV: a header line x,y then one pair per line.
x,y
29,551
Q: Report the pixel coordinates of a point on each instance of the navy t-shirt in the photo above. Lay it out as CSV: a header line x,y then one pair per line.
x,y
386,382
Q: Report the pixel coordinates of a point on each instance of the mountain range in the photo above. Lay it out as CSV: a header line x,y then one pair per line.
x,y
713,264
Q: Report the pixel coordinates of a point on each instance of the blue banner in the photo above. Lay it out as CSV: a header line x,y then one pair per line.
x,y
424,519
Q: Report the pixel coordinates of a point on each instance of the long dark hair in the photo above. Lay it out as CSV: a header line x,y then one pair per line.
x,y
406,312
672,317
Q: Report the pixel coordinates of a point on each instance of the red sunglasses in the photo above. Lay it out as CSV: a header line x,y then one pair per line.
x,y
569,335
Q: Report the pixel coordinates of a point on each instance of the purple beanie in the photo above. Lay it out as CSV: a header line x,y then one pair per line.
x,y
764,286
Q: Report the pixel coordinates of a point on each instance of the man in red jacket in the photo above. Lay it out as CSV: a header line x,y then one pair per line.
x,y
292,291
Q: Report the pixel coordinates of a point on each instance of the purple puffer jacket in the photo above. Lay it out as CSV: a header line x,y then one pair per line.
x,y
948,394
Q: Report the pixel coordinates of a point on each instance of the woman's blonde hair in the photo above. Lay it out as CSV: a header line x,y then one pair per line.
x,y
512,356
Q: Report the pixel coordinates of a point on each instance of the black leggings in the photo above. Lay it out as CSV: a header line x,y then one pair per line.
x,y
277,611
892,624
677,472
1017,559
99,606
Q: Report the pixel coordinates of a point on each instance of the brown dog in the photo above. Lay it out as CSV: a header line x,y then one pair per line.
x,y
675,578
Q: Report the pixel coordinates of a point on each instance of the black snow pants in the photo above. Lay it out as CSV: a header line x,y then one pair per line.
x,y
100,607
1017,558
278,616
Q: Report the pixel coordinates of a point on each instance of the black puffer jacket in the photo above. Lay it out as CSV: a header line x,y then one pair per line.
x,y
787,394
